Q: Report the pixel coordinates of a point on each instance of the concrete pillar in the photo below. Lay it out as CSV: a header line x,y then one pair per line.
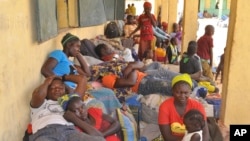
x,y
190,23
164,10
236,80
172,14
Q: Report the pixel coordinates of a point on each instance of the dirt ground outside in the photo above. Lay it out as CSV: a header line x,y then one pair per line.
x,y
219,37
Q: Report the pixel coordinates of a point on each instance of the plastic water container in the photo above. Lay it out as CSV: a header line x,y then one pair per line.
x,y
160,54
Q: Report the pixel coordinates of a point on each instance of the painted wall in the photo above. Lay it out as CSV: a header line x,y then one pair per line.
x,y
236,82
20,60
189,34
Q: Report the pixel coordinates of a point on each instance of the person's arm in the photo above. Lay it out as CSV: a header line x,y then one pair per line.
x,y
40,93
211,57
152,19
132,66
114,125
126,30
86,127
83,69
195,137
48,66
205,132
196,76
137,28
166,133
81,82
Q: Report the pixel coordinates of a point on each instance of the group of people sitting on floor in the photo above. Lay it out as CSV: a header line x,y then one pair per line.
x,y
61,111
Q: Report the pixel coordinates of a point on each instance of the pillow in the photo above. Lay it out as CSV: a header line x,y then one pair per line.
x,y
89,60
128,125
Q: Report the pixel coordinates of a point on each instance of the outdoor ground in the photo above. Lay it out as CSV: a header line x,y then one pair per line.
x,y
220,39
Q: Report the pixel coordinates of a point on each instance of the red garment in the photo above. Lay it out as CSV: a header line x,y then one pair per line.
x,y
147,4
169,115
101,124
146,32
143,46
204,44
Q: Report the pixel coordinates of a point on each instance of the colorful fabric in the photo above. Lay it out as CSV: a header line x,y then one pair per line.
x,y
205,43
169,115
107,97
146,31
172,53
140,76
128,125
116,67
64,100
207,85
109,81
101,124
182,77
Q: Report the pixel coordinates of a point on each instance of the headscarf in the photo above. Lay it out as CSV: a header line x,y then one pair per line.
x,y
182,77
64,100
147,4
68,37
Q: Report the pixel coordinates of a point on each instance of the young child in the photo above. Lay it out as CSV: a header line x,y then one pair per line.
x,y
205,51
129,27
146,22
172,51
194,123
89,120
219,69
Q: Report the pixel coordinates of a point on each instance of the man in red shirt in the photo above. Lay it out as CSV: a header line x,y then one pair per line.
x,y
205,51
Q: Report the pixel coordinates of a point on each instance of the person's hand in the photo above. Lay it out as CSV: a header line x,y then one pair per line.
x,y
69,115
49,79
127,71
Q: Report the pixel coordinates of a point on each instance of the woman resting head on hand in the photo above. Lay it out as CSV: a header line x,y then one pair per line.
x,y
89,120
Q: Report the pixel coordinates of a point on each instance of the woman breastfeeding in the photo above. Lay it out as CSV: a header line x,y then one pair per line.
x,y
58,62
172,110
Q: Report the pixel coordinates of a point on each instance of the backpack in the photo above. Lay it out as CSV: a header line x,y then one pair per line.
x,y
88,48
112,30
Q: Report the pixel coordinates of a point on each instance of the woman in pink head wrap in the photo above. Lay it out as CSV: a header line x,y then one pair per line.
x,y
146,22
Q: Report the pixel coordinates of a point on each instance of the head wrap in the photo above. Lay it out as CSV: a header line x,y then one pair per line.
x,y
64,100
182,77
147,4
68,37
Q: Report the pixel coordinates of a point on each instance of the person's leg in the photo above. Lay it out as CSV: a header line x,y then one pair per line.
x,y
162,73
75,135
207,71
152,85
130,81
153,66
